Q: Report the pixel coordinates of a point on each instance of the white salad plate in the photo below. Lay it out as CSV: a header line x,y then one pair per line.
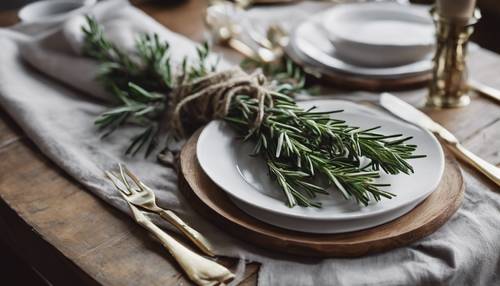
x,y
245,179
380,34
310,42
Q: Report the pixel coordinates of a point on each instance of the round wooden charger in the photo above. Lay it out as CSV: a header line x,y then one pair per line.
x,y
213,203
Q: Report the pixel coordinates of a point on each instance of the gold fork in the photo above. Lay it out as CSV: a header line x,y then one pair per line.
x,y
143,197
199,269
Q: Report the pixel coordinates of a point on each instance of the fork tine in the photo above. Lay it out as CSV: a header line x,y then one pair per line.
x,y
136,180
124,179
116,182
114,178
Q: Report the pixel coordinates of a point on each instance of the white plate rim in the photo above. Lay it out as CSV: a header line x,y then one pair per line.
x,y
326,227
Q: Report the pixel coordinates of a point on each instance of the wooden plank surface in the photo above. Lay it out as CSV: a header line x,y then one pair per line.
x,y
69,235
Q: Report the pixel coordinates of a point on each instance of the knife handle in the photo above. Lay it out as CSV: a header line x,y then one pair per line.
x,y
489,170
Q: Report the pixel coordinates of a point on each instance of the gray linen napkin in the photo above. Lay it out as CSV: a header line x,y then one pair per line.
x,y
57,113
122,24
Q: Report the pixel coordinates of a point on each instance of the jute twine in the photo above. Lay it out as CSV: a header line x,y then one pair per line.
x,y
210,98
207,98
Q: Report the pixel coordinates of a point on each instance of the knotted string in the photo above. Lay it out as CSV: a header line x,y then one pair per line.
x,y
210,98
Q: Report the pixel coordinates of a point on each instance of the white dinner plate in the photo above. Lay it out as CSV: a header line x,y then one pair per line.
x,y
227,162
309,43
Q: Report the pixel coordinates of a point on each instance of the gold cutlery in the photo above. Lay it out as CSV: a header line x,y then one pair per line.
x,y
143,197
277,36
275,41
199,269
485,90
226,31
412,115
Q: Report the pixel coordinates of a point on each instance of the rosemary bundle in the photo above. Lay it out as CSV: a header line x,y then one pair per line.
x,y
300,147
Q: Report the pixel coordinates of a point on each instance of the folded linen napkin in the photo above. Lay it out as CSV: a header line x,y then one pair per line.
x,y
121,23
57,116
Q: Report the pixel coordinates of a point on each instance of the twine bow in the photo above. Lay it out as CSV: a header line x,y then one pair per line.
x,y
210,98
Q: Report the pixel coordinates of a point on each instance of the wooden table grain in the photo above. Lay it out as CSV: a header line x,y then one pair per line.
x,y
68,235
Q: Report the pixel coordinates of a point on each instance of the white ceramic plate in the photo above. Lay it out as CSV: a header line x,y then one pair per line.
x,y
309,43
225,160
380,34
381,23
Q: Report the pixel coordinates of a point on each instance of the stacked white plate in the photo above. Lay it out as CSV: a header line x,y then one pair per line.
x,y
376,40
225,159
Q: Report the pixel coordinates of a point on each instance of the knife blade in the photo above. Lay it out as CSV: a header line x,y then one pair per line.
x,y
412,115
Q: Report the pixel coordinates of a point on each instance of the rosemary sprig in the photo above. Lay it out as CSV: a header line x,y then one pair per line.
x,y
306,151
149,68
140,82
302,145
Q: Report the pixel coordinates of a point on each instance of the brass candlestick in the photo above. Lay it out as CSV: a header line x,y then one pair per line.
x,y
449,87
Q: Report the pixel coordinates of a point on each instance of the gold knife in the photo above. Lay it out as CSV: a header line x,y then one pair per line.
x,y
412,115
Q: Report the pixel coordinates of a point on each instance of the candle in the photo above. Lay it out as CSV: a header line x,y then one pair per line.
x,y
456,9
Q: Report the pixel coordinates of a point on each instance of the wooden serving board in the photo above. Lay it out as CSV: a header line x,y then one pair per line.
x,y
427,217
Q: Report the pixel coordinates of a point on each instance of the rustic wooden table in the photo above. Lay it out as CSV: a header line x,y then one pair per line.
x,y
68,235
